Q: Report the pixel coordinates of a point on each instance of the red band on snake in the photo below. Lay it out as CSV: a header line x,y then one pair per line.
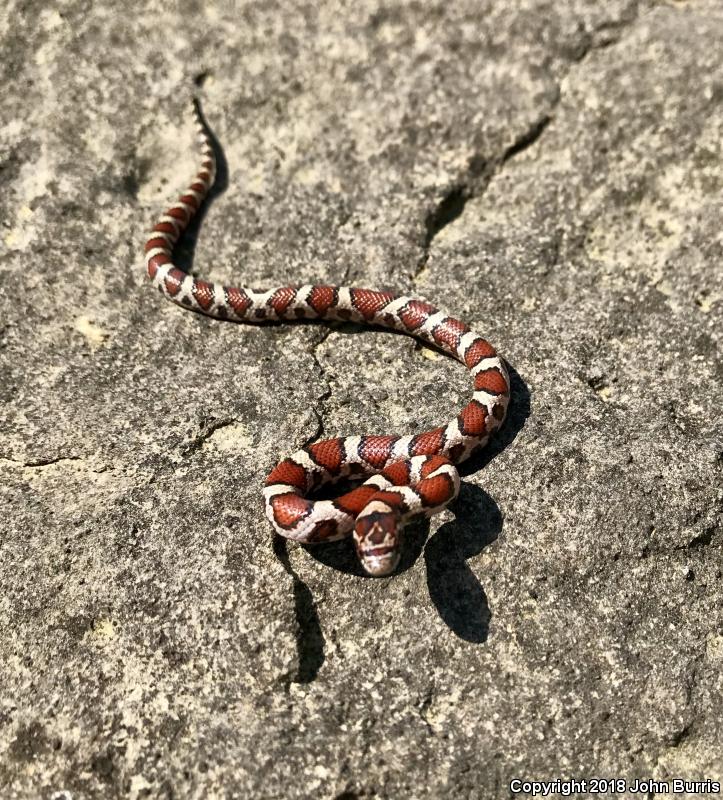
x,y
408,476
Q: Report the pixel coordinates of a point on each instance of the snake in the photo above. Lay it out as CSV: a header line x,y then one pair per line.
x,y
393,479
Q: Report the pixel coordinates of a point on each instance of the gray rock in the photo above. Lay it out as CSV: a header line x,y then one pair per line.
x,y
549,171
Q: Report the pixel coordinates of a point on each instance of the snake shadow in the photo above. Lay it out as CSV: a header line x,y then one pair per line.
x,y
453,587
309,637
185,249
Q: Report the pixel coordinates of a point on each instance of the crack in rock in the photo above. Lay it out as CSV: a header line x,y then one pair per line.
x,y
326,393
208,429
606,35
481,171
702,539
529,137
40,463
473,184
452,205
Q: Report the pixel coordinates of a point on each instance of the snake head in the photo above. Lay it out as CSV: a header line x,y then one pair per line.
x,y
376,538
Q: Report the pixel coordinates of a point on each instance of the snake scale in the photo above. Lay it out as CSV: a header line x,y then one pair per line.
x,y
403,476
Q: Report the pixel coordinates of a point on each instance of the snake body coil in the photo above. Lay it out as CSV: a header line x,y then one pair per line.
x,y
409,475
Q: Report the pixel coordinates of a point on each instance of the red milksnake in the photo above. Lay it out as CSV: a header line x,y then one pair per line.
x,y
409,475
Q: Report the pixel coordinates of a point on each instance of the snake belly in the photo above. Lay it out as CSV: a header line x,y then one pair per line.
x,y
403,476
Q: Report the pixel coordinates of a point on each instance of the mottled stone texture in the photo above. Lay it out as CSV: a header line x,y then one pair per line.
x,y
550,171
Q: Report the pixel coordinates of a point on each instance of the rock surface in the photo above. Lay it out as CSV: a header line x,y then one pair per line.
x,y
551,172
